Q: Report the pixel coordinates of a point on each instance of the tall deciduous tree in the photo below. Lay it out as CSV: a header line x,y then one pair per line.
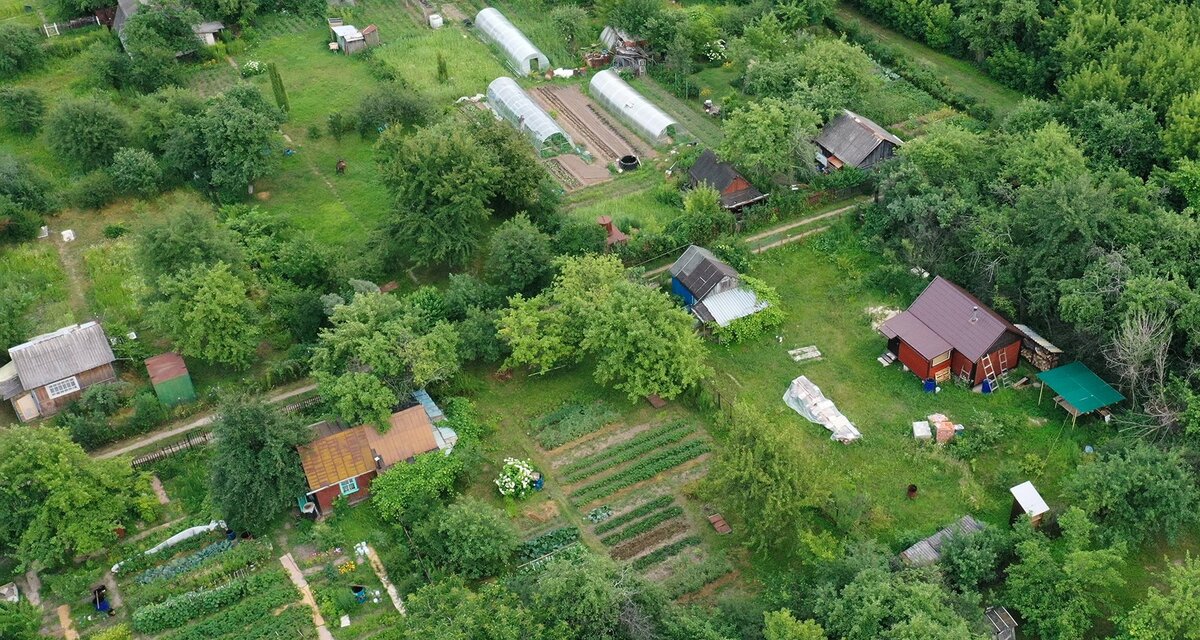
x,y
444,609
58,502
770,137
255,468
441,182
241,139
184,239
207,314
376,353
581,600
21,109
20,49
1170,612
519,257
470,538
782,625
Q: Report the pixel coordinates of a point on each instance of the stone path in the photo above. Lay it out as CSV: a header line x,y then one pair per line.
x,y
33,590
297,578
159,491
67,624
381,573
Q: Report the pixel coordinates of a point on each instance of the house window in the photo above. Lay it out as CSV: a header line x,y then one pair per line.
x,y
940,359
348,486
63,387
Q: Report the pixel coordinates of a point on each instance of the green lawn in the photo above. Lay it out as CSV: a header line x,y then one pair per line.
x,y
958,74
631,200
33,271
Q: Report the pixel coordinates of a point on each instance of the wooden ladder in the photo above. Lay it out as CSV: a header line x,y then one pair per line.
x,y
1003,361
989,373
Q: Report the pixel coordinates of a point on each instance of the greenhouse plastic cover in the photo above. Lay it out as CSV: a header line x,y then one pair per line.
x,y
509,38
617,96
806,398
510,101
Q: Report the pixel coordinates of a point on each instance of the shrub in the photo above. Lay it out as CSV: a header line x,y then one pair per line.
x,y
392,105
87,131
94,190
22,109
17,224
135,172
114,231
20,49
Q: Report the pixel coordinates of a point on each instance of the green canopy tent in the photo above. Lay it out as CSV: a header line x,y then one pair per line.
x,y
1080,391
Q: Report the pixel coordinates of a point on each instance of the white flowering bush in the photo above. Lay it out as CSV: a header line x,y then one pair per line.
x,y
253,68
715,50
516,478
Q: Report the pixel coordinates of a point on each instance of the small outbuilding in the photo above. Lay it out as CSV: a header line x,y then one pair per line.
x,y
712,289
524,57
170,378
736,191
1002,624
1080,391
349,39
1027,500
929,550
1038,351
643,116
947,331
208,32
851,140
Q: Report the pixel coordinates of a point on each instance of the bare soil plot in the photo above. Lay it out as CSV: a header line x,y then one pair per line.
x,y
598,132
574,173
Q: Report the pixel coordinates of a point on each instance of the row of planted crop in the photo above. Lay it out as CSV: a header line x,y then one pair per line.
x,y
642,526
618,454
179,610
645,469
662,553
660,502
140,561
252,618
548,542
216,570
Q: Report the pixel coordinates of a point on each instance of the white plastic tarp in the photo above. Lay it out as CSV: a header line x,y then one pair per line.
x,y
806,399
179,537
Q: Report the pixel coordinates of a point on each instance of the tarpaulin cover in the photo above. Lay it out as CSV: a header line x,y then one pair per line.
x,y
806,399
1080,387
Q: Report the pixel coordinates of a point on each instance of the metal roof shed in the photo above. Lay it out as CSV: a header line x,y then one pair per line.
x,y
618,97
510,101
1080,391
169,375
521,53
1027,500
929,550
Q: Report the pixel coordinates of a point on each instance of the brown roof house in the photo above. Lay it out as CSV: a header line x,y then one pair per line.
x,y
947,331
854,141
345,462
736,191
50,371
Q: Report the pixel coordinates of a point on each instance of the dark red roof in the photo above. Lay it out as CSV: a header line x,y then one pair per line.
x,y
945,314
165,366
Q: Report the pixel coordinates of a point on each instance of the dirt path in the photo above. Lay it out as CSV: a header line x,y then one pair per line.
x,y
72,264
788,240
381,573
159,491
800,223
68,625
312,166
115,599
306,595
33,587
128,446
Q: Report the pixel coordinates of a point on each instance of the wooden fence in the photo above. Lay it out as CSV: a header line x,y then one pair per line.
x,y
191,440
52,29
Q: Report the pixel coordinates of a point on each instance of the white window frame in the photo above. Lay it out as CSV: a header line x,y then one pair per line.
x,y
60,388
348,487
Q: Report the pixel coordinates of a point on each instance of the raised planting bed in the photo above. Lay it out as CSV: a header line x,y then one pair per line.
x,y
692,576
649,540
662,553
642,526
642,444
644,469
182,609
253,617
242,558
635,513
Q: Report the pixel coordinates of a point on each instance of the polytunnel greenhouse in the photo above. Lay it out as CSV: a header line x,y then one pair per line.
x,y
510,101
521,54
617,96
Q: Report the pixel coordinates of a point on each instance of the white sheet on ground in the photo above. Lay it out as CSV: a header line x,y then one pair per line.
x,y
179,537
806,398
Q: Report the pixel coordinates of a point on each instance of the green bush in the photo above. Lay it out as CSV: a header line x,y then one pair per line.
x,y
20,49
22,109
114,231
135,172
92,191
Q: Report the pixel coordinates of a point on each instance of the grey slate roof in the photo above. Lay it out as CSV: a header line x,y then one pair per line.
x,y
700,271
61,354
949,315
709,170
852,137
929,550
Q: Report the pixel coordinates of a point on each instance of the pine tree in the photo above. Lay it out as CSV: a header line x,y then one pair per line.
x,y
281,98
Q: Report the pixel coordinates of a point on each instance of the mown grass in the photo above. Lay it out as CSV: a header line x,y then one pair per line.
x,y
958,74
632,202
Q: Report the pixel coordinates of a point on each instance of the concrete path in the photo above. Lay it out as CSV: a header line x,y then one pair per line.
x,y
67,624
381,573
306,595
128,446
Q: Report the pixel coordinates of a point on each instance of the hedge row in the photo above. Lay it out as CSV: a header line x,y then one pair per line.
x,y
630,516
250,617
626,451
662,553
644,470
182,609
642,526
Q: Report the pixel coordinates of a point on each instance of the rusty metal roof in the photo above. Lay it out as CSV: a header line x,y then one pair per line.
x,y
410,434
337,457
165,366
958,318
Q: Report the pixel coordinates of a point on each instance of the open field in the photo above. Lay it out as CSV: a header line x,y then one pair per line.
x,y
959,74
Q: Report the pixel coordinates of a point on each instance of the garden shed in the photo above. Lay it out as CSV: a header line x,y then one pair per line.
x,y
1004,627
510,101
854,141
1027,500
617,96
521,53
929,550
947,331
712,289
170,378
1080,391
736,191
53,370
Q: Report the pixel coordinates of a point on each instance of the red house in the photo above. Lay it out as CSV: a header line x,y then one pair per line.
x,y
947,331
736,191
345,462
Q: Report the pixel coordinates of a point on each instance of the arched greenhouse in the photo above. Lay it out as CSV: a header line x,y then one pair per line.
x,y
618,97
510,101
521,54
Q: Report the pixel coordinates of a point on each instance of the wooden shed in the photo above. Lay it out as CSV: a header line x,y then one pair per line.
x,y
1027,500
735,190
851,140
1038,351
170,378
947,331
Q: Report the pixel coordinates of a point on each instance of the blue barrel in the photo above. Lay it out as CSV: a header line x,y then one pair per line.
x,y
930,385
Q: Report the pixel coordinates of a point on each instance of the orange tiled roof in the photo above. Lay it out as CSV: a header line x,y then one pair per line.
x,y
337,457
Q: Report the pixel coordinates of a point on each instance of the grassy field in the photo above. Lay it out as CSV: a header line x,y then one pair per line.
x,y
631,200
958,74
